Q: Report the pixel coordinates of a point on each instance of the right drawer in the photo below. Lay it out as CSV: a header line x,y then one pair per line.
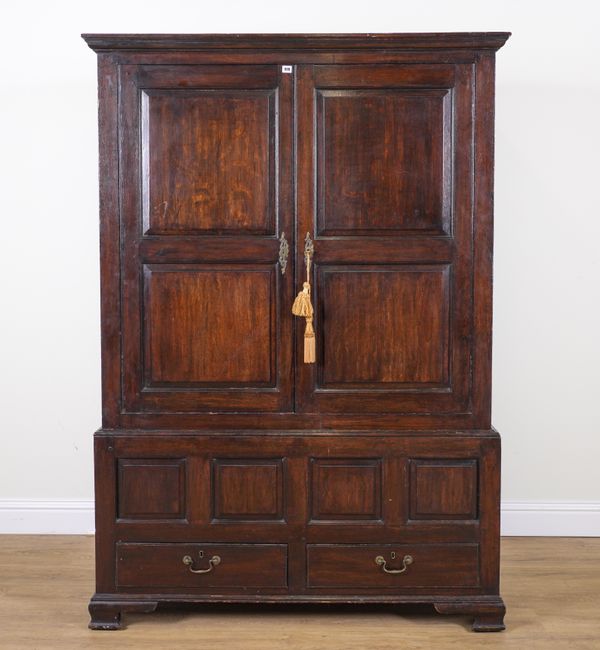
x,y
368,566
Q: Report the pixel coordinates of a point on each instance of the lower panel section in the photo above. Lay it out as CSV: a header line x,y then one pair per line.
x,y
296,517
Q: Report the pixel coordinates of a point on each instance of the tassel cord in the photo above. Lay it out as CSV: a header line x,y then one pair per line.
x,y
303,307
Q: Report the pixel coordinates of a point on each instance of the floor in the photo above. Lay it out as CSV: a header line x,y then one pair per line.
x,y
551,587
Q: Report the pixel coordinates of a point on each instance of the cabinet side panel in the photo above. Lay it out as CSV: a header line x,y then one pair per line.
x,y
109,239
489,491
105,506
483,223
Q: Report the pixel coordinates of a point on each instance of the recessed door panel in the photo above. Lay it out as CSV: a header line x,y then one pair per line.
x,y
398,315
383,161
208,158
218,325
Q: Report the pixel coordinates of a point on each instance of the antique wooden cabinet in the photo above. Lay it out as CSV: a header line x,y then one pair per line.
x,y
228,469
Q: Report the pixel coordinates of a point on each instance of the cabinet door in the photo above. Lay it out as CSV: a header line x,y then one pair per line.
x,y
205,169
385,168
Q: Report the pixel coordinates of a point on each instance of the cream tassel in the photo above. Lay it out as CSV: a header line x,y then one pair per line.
x,y
303,307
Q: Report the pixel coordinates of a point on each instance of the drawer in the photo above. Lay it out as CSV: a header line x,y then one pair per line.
x,y
428,565
238,565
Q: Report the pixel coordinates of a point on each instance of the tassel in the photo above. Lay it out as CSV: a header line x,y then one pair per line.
x,y
303,307
309,342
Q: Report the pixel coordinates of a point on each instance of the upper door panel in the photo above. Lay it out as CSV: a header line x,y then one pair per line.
x,y
206,321
383,150
208,149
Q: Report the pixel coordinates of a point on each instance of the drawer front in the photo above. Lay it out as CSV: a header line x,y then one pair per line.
x,y
427,565
238,565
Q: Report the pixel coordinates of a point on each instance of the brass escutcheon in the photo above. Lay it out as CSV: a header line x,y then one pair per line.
x,y
284,251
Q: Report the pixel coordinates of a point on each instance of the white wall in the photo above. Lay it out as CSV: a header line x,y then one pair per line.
x,y
547,264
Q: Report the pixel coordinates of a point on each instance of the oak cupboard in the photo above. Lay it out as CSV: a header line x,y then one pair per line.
x,y
242,458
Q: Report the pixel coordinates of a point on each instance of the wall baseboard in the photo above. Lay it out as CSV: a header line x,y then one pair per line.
x,y
519,518
45,517
552,519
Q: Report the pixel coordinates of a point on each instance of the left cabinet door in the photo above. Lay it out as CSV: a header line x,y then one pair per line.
x,y
205,178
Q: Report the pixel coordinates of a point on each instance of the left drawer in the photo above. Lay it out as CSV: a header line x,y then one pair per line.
x,y
198,566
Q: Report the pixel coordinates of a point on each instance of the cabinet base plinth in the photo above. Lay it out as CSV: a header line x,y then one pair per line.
x,y
106,613
488,616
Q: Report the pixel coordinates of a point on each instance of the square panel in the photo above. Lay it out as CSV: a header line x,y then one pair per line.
x,y
209,325
151,488
346,489
208,159
384,326
443,489
384,161
248,489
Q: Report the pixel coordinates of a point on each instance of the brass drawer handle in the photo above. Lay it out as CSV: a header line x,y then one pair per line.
x,y
212,563
380,561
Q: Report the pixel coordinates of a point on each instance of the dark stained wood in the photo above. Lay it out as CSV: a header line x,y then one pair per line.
x,y
302,486
105,514
483,186
347,317
110,294
186,317
384,326
151,488
189,308
423,41
443,489
488,615
382,161
344,452
107,615
248,489
385,76
217,438
433,566
161,566
209,159
346,489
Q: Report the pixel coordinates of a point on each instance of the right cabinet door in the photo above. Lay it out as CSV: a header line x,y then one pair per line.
x,y
385,162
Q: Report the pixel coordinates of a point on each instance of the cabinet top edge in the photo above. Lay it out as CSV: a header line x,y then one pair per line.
x,y
406,41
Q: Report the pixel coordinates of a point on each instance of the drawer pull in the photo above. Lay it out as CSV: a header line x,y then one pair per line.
x,y
212,563
406,560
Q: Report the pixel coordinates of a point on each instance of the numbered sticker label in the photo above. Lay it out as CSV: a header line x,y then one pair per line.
x,y
287,69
